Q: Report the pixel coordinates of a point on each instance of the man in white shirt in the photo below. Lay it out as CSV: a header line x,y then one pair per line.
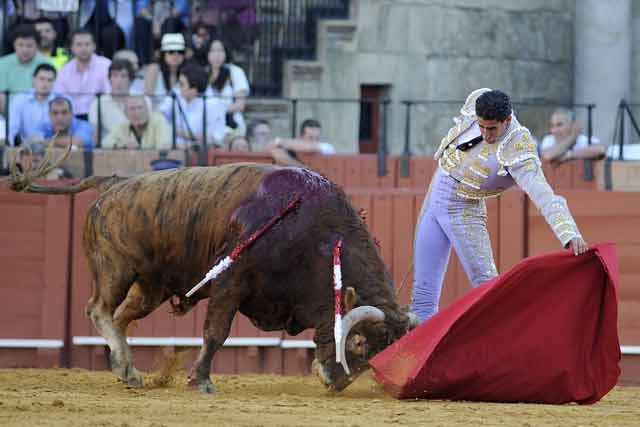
x,y
189,110
566,141
29,111
285,151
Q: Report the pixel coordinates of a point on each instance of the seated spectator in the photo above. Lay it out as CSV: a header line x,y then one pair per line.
x,y
112,104
48,38
143,130
137,85
566,141
16,69
259,134
230,84
239,143
285,151
28,112
85,75
161,78
190,110
64,128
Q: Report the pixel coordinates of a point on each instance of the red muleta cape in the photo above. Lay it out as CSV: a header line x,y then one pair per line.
x,y
543,332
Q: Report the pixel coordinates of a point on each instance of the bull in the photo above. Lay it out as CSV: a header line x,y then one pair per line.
x,y
150,238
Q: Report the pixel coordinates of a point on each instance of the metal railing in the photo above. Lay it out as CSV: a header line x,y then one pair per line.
x,y
433,121
531,114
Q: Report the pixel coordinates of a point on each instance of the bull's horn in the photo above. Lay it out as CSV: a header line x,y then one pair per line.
x,y
358,314
414,320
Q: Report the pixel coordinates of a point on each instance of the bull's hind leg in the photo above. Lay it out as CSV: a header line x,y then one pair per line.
x,y
222,307
111,288
139,302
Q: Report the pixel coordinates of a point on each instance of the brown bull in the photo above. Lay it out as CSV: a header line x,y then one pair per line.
x,y
152,237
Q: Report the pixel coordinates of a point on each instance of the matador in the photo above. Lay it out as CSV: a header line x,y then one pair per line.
x,y
483,154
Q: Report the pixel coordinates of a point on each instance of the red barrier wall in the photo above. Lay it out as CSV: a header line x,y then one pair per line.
x,y
34,266
43,264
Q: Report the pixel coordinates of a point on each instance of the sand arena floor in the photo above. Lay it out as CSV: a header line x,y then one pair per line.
x,y
65,397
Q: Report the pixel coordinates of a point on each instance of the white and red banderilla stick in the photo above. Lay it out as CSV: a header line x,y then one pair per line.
x,y
226,262
337,289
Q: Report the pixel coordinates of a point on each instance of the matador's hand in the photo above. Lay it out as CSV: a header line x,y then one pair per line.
x,y
578,245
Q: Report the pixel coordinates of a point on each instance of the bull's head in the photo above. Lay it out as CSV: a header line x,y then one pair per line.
x,y
366,331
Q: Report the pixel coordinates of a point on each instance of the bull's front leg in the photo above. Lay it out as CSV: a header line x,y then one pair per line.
x,y
220,312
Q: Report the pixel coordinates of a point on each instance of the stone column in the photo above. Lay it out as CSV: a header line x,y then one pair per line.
x,y
603,59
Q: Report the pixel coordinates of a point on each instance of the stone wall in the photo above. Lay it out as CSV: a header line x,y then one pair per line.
x,y
438,50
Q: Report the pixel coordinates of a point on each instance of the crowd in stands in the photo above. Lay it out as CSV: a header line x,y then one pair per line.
x,y
131,75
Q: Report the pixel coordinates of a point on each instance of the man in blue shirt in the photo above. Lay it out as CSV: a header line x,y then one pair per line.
x,y
28,112
66,128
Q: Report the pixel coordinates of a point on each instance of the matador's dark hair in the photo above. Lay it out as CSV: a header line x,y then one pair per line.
x,y
493,105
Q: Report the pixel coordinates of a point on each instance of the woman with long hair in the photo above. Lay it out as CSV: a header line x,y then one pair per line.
x,y
229,82
162,77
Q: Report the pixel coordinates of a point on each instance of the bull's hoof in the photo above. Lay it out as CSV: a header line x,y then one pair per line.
x,y
205,385
135,379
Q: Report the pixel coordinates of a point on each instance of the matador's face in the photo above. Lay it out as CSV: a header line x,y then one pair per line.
x,y
492,130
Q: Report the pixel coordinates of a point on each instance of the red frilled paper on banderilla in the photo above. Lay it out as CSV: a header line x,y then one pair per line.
x,y
544,332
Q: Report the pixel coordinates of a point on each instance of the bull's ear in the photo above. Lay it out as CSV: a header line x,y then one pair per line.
x,y
350,299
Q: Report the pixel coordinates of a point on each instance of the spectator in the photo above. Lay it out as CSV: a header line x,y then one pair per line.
x,y
64,129
112,105
189,110
111,22
48,37
143,130
16,69
28,112
200,39
259,134
566,141
162,78
137,85
155,18
285,151
230,84
239,143
85,75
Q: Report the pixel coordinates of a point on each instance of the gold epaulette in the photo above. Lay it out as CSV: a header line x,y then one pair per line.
x,y
516,147
463,123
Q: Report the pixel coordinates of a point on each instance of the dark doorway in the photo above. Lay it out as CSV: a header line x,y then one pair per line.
x,y
370,117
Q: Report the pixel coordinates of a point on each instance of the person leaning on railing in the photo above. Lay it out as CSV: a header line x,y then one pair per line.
x,y
566,140
286,151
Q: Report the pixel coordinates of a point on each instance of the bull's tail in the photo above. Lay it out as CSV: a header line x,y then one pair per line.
x,y
100,183
24,179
